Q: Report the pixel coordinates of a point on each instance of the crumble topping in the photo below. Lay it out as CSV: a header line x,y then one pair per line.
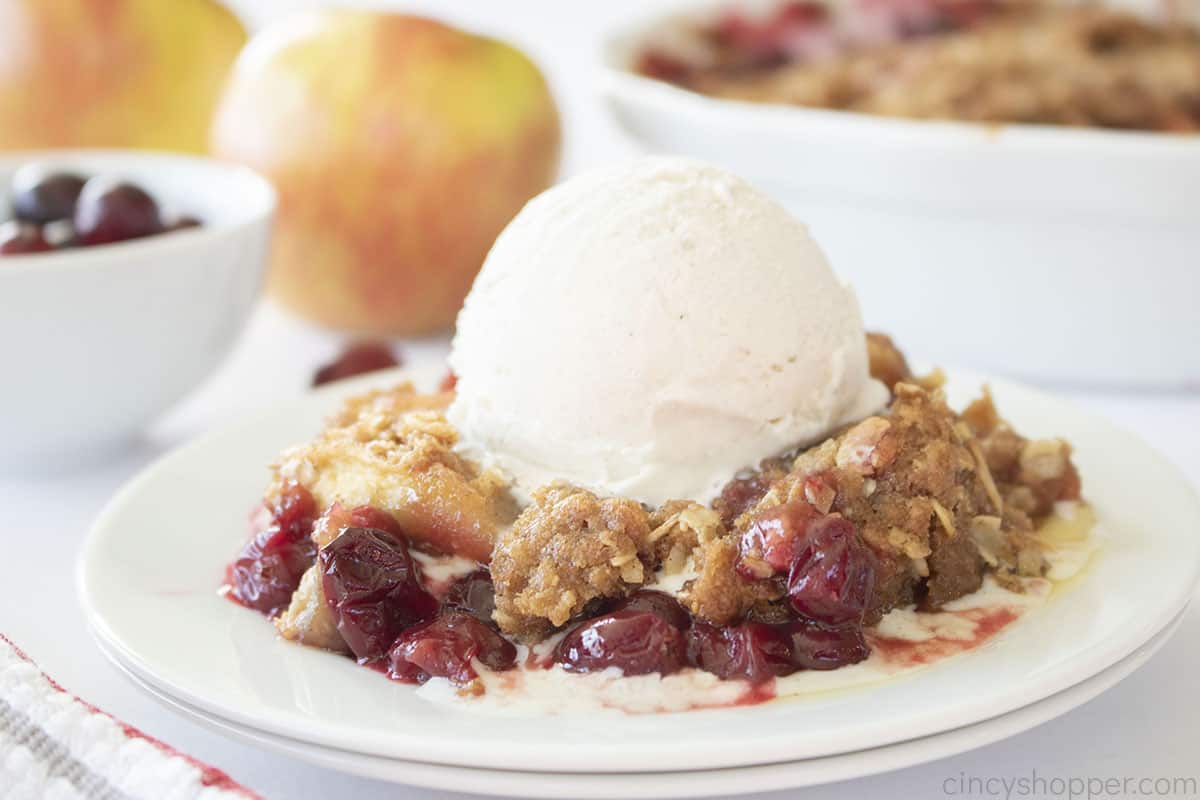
x,y
885,361
1028,62
931,504
567,548
394,450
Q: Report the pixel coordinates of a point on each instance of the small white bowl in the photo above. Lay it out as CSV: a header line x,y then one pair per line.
x,y
1063,255
96,342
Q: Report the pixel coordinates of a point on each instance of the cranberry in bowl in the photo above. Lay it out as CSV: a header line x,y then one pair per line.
x,y
115,302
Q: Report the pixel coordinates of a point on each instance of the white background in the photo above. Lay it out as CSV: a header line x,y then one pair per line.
x,y
1147,726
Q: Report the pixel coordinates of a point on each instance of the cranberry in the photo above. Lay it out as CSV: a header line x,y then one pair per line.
x,y
773,40
358,358
269,568
636,642
662,66
473,594
337,518
774,540
114,212
41,197
21,239
444,647
658,603
833,575
817,646
751,650
739,496
373,586
967,13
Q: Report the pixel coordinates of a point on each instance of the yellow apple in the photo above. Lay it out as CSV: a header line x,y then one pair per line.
x,y
113,73
400,147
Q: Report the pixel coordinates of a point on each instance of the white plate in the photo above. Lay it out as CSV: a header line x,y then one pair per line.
x,y
697,783
148,572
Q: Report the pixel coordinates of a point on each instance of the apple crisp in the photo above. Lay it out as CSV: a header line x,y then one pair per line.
x,y
990,61
911,507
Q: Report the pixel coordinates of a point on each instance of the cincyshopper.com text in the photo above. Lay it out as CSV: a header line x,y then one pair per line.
x,y
1042,787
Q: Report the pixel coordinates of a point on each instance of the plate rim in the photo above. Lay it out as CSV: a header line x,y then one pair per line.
x,y
893,757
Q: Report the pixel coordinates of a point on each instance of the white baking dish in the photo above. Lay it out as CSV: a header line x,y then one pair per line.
x,y
1063,255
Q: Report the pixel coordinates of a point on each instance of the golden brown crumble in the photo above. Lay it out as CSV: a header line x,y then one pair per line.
x,y
915,483
567,548
677,529
393,449
1031,475
886,363
912,485
1035,64
940,498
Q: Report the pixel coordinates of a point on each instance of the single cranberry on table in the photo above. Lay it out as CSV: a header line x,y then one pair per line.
x,y
269,568
636,642
358,358
373,587
39,196
112,211
833,575
18,239
445,646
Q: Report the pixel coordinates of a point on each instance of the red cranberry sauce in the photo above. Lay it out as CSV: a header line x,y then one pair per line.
x,y
650,632
445,647
384,609
636,642
790,32
373,587
269,568
826,570
338,517
804,31
832,577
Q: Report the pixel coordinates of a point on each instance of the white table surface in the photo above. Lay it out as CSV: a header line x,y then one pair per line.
x,y
1147,726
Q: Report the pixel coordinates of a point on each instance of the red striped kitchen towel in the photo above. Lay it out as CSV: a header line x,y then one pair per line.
x,y
54,746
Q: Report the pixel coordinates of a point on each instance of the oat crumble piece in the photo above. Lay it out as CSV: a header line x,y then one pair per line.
x,y
917,485
685,531
1038,63
394,450
566,549
885,361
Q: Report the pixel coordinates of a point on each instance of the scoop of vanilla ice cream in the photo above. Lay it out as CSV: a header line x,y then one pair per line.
x,y
651,329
